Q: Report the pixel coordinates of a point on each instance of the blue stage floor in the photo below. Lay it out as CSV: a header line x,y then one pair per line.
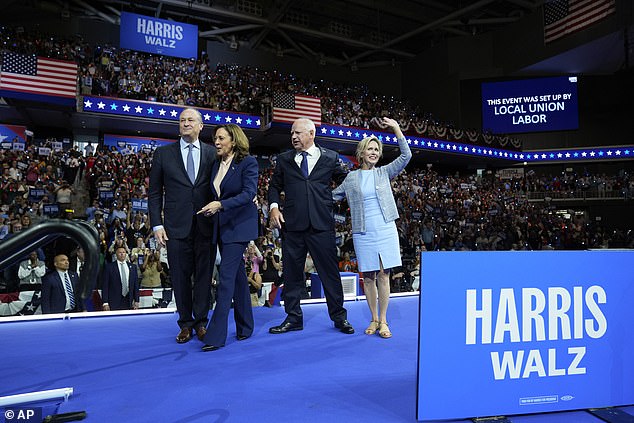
x,y
130,369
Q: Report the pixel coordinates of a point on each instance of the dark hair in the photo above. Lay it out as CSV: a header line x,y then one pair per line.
x,y
239,139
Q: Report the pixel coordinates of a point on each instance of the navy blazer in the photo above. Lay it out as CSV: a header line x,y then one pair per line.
x,y
54,294
172,198
111,289
308,200
237,221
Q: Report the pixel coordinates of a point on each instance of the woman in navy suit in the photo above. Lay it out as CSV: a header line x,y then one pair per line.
x,y
234,180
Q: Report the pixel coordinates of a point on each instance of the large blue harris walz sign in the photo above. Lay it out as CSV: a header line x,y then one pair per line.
x,y
515,332
159,36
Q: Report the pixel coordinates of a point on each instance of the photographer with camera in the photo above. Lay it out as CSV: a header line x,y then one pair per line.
x,y
151,269
254,256
119,240
255,284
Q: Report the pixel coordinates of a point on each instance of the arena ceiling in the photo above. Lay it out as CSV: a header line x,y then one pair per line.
x,y
359,33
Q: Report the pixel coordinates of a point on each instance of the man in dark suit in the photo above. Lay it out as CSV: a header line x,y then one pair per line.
x,y
120,289
305,175
179,187
59,287
76,260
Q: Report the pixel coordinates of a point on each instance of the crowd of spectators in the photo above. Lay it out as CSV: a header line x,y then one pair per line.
x,y
437,212
110,71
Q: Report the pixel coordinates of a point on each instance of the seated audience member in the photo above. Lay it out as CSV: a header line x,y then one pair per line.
x,y
30,272
16,227
26,221
120,289
151,269
59,289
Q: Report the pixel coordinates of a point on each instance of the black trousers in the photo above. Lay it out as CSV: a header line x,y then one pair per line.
x,y
321,245
190,260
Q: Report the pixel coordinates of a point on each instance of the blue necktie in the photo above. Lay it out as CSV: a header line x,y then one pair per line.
x,y
304,165
69,289
191,171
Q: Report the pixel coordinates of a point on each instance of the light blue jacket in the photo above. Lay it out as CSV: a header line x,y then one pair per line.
x,y
351,188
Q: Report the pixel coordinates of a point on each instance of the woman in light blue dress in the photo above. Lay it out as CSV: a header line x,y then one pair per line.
x,y
373,212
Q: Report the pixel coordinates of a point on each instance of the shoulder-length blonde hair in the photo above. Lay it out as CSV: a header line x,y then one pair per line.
x,y
239,139
363,145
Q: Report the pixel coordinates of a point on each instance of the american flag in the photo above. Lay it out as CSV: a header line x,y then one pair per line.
x,y
288,107
37,75
562,17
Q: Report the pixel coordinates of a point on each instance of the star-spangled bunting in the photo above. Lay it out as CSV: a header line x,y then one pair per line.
x,y
31,306
25,304
170,112
585,154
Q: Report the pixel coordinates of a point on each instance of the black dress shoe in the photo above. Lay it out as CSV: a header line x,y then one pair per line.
x,y
285,327
207,348
345,327
242,337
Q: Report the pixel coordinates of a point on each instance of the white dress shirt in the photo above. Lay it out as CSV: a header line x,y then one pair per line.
x,y
123,268
222,171
314,153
